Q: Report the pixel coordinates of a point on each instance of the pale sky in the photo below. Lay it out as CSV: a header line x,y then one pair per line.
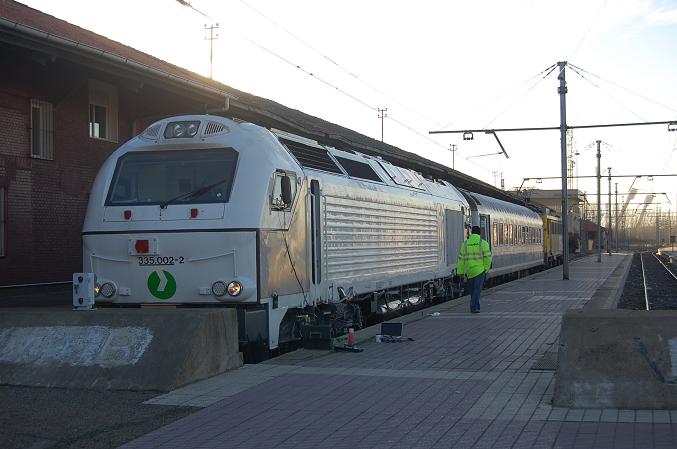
x,y
439,65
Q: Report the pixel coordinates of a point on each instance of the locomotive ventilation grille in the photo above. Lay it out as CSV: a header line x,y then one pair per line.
x,y
311,157
370,238
152,132
214,128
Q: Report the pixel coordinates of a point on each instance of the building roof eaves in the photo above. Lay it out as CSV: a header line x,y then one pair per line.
x,y
109,56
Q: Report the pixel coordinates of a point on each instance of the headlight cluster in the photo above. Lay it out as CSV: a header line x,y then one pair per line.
x,y
178,130
107,289
220,288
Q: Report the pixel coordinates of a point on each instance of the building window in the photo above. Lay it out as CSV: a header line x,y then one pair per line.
x,y
103,111
41,130
3,219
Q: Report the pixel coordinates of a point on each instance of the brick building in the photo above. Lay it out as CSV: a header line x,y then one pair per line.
x,y
70,97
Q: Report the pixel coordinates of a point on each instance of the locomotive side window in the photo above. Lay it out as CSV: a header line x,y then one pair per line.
x,y
277,198
173,177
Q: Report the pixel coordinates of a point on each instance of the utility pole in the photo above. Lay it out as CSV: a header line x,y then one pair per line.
x,y
616,222
599,205
382,115
211,38
672,244
658,229
453,150
562,90
584,225
608,232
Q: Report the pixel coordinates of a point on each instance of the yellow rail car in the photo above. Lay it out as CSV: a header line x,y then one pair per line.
x,y
552,240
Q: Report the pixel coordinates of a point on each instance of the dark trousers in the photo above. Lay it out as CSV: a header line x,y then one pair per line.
x,y
474,287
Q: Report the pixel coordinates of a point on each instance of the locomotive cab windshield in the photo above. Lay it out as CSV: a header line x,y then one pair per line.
x,y
171,177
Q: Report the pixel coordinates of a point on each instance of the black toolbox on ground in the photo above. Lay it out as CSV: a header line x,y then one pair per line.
x,y
317,336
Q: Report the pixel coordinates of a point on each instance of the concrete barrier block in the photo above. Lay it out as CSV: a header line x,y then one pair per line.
x,y
617,359
126,349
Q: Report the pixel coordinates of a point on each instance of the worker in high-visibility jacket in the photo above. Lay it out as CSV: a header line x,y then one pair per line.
x,y
474,260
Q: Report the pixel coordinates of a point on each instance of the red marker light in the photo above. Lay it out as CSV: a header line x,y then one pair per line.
x,y
141,246
128,214
193,212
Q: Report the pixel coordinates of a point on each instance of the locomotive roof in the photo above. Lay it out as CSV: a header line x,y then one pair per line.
x,y
44,33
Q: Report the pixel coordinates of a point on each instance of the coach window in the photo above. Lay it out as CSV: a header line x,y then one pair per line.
x,y
276,200
103,111
494,234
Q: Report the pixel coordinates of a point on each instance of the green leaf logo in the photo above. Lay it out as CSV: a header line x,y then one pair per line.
x,y
161,284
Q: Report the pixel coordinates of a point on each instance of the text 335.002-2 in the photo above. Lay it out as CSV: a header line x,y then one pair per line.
x,y
160,260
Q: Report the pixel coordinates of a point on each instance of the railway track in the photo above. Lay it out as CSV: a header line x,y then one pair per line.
x,y
659,282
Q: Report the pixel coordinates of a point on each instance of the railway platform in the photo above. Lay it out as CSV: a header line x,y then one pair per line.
x,y
466,381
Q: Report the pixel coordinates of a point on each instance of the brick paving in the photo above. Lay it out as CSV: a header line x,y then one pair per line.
x,y
467,381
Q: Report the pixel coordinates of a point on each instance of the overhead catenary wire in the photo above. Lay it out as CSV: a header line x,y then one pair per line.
x,y
587,32
187,3
625,89
333,62
327,83
338,89
548,69
323,81
609,95
521,96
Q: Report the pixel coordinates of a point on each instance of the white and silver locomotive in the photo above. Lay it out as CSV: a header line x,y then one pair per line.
x,y
201,210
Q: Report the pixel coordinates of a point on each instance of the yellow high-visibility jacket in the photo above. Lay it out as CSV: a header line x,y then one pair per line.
x,y
474,257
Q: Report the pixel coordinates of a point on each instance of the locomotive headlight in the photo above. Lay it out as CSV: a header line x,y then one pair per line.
x,y
219,288
107,290
191,128
234,288
178,130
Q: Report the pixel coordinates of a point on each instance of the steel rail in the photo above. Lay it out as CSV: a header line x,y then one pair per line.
x,y
665,266
646,294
